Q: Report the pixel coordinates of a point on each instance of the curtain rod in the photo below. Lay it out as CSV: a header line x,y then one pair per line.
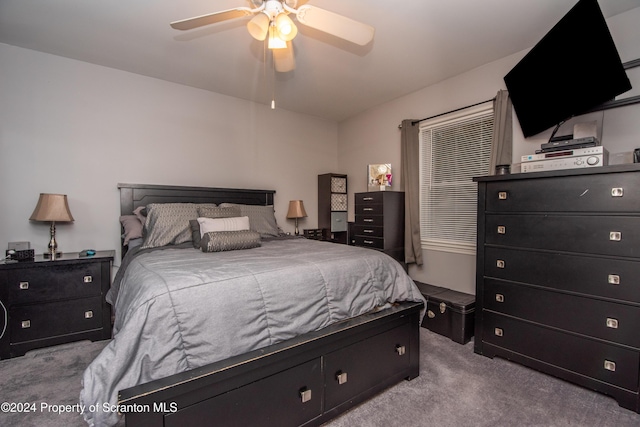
x,y
449,112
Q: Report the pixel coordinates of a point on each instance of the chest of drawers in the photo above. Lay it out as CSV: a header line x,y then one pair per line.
x,y
558,275
48,302
379,222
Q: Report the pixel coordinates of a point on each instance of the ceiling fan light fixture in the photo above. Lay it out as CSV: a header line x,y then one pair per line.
x,y
287,30
259,26
275,42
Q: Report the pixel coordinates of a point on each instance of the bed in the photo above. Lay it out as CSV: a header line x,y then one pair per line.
x,y
288,331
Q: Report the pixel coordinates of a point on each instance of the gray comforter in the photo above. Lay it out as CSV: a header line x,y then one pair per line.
x,y
179,309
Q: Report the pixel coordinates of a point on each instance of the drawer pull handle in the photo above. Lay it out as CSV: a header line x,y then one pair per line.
x,y
502,195
24,286
368,242
368,220
502,229
305,395
367,231
341,377
368,199
401,350
431,314
367,209
615,236
443,307
25,324
613,279
498,332
612,323
499,297
500,263
617,192
609,365
87,279
88,314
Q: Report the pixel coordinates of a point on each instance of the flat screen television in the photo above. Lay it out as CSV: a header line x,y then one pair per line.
x,y
574,68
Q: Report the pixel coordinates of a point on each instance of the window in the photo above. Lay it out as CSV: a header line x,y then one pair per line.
x,y
453,149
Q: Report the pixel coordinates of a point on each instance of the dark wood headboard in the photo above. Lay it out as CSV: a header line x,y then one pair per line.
x,y
135,195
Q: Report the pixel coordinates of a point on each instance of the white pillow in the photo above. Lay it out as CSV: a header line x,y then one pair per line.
x,y
237,223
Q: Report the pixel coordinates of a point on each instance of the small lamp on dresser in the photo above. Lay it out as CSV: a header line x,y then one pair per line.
x,y
296,210
52,208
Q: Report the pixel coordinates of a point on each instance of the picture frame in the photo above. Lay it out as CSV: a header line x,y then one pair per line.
x,y
379,176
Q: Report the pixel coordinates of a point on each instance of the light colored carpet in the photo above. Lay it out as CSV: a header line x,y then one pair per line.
x,y
456,387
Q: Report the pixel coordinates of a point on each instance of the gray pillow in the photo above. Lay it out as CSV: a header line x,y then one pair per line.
x,y
132,227
218,212
218,241
168,224
261,218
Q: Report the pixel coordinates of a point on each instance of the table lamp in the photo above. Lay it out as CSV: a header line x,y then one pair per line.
x,y
296,210
52,208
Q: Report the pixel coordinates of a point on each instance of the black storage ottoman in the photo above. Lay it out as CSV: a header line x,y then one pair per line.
x,y
449,313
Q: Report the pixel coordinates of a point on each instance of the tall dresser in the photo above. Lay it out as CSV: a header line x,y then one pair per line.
x,y
558,275
379,222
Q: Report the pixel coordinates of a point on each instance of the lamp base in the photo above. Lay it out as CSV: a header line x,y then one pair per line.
x,y
52,256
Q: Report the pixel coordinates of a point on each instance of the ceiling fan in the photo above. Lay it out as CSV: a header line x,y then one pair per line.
x,y
270,19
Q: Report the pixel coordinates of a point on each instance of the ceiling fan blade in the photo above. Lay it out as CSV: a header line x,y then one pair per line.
x,y
211,18
334,24
283,59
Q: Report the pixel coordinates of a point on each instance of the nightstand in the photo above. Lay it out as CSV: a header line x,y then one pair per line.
x,y
48,302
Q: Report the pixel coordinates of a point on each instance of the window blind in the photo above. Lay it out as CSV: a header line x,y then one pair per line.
x,y
452,152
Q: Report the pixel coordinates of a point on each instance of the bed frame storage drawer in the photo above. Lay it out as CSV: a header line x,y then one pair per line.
x,y
606,362
299,389
349,374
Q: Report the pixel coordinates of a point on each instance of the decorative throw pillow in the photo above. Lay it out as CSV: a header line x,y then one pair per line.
x,y
261,218
223,224
209,212
132,227
218,241
218,212
168,224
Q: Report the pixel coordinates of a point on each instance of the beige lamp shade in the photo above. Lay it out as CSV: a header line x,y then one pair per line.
x,y
52,208
296,209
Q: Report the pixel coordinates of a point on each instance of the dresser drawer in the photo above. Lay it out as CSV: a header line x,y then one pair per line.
x,y
597,318
595,359
603,235
372,209
369,242
616,192
370,220
31,322
616,279
369,198
368,231
53,282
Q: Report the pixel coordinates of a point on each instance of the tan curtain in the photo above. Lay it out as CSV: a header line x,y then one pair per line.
x,y
502,139
410,172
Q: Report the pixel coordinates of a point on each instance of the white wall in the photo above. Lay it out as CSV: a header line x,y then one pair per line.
x,y
80,129
374,137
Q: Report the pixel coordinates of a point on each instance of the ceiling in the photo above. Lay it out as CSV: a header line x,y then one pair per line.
x,y
417,43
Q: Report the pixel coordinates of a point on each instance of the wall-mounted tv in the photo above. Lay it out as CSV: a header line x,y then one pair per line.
x,y
574,68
